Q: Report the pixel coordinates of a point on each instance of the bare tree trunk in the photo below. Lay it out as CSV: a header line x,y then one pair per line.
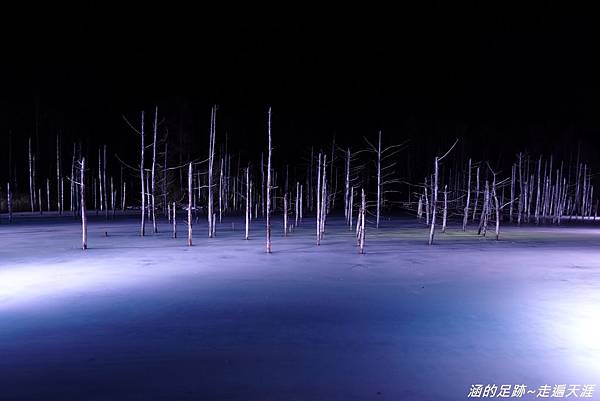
x,y
378,181
221,191
143,181
62,194
297,203
164,181
124,194
301,204
497,207
476,193
112,197
211,158
362,223
189,214
268,197
48,192
433,200
58,191
347,186
323,197
319,201
512,193
40,200
466,213
445,213
285,214
72,186
174,221
83,209
262,185
427,209
104,185
350,206
100,180
247,201
520,203
9,202
30,176
153,180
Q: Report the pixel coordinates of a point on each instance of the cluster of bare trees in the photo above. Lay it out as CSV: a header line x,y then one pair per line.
x,y
537,190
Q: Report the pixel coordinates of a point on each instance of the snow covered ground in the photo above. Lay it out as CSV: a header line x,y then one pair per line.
x,y
151,319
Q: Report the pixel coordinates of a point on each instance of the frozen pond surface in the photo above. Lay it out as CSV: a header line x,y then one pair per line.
x,y
149,318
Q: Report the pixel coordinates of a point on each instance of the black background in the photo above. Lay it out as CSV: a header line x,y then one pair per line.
x,y
502,79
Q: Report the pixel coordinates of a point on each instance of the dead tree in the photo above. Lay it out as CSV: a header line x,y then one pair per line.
x,y
285,214
247,202
319,201
445,213
476,193
104,185
496,202
9,202
324,197
350,207
174,222
268,197
384,171
59,205
434,192
81,184
153,179
363,208
142,180
466,213
301,204
189,214
31,190
211,158
297,203
347,186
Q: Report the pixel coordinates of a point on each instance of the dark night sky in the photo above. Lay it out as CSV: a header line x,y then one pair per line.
x,y
528,77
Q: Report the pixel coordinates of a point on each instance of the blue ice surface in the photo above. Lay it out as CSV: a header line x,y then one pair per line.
x,y
149,318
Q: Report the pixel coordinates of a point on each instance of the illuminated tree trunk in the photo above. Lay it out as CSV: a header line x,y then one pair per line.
x,y
268,197
301,208
362,223
476,193
466,212
433,200
189,214
323,197
285,214
153,173
9,202
427,209
104,185
211,157
350,207
378,181
124,196
174,222
59,205
319,201
445,213
143,181
30,163
247,202
83,209
48,193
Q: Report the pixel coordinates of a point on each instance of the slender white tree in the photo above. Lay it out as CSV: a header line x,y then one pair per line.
x,y
268,197
189,214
